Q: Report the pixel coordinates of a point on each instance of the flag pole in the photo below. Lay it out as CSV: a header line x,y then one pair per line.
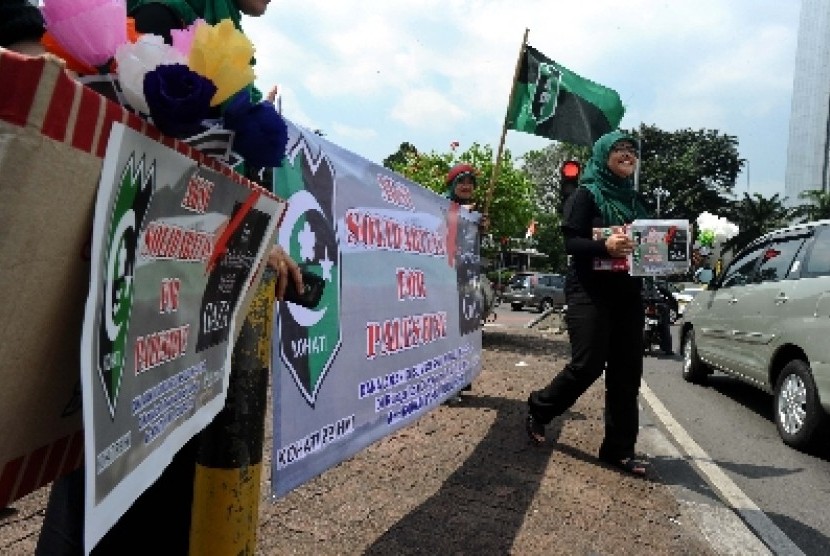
x,y
495,174
639,159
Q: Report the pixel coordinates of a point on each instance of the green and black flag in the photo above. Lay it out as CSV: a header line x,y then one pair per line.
x,y
551,101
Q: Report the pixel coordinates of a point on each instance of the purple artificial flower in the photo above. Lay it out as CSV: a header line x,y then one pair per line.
x,y
260,132
178,98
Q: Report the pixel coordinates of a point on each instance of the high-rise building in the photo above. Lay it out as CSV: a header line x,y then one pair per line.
x,y
808,150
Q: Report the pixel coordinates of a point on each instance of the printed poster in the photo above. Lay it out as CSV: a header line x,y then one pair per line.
x,y
176,251
661,247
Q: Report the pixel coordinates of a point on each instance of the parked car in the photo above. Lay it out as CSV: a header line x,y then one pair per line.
x,y
535,289
766,321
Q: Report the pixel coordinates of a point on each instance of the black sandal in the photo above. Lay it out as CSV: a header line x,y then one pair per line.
x,y
535,430
637,466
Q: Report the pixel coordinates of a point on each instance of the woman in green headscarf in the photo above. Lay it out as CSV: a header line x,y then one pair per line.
x,y
160,16
605,311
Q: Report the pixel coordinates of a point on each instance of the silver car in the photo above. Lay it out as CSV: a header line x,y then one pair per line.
x,y
535,289
766,321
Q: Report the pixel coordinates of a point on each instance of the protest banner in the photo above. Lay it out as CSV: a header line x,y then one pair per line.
x,y
398,329
176,251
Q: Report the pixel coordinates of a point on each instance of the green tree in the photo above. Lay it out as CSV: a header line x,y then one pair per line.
x,y
697,168
398,158
543,168
511,201
816,207
756,215
548,240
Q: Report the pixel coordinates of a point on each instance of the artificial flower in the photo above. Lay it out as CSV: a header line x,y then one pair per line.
x,y
260,133
52,45
179,99
90,30
132,33
706,238
136,60
721,229
183,38
222,54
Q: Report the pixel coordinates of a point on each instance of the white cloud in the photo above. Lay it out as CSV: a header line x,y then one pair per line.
x,y
431,71
425,109
349,132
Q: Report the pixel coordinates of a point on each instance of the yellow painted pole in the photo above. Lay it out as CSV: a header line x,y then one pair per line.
x,y
225,512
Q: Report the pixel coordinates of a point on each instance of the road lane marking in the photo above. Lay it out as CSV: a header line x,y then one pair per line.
x,y
728,491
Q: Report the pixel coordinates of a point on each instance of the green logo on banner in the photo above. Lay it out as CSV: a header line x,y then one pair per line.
x,y
309,338
131,201
545,93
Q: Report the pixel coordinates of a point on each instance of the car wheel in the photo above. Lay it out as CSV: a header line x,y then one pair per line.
x,y
798,414
545,305
694,370
516,306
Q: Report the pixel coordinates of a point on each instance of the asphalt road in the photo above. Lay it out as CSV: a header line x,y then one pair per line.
x,y
744,462
733,425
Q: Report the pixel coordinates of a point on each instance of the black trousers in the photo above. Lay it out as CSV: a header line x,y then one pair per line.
x,y
665,327
605,335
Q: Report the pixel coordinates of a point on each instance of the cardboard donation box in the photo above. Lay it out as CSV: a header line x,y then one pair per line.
x,y
661,248
53,137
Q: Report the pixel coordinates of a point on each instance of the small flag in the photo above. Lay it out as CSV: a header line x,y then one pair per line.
x,y
531,229
551,101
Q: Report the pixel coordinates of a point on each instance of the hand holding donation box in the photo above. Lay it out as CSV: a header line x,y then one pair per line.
x,y
661,248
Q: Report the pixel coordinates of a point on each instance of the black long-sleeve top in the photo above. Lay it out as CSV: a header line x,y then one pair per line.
x,y
580,216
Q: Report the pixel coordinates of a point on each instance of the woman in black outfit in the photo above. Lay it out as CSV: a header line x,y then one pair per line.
x,y
605,308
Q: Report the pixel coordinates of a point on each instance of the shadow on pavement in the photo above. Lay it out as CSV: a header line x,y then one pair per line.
x,y
495,487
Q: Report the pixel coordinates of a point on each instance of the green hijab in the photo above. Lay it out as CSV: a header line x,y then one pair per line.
x,y
615,196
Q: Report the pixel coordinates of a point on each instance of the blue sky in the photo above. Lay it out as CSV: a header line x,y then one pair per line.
x,y
373,74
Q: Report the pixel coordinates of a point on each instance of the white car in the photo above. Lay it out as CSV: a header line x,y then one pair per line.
x,y
766,321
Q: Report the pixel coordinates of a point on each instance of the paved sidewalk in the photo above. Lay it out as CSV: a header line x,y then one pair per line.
x,y
465,480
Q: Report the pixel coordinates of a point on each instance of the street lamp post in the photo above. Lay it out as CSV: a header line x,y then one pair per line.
x,y
659,192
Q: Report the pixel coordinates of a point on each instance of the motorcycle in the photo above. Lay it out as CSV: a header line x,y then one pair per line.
x,y
651,328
